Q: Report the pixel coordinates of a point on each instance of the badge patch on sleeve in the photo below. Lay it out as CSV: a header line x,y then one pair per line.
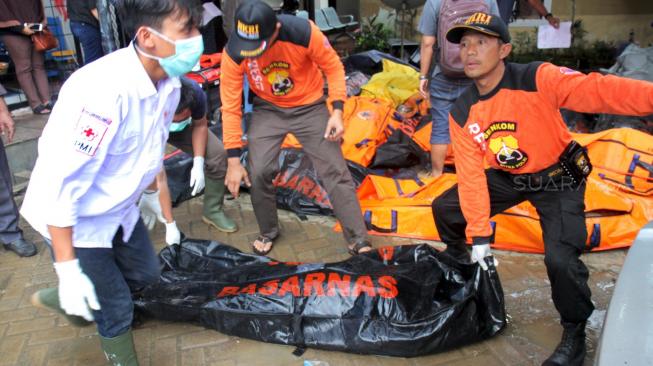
x,y
89,132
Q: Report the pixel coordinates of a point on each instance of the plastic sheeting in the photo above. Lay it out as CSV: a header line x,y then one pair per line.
x,y
178,166
399,301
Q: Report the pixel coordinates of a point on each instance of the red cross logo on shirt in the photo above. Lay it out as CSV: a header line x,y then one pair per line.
x,y
89,133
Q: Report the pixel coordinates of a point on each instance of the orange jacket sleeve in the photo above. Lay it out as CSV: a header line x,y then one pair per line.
x,y
231,92
326,58
472,183
594,93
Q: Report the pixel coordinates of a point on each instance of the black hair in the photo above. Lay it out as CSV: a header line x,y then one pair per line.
x,y
151,13
186,95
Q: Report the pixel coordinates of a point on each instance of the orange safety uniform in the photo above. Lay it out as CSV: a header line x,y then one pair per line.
x,y
289,74
517,127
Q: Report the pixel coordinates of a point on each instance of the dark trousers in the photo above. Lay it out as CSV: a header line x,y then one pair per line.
x,y
90,38
269,126
9,230
116,273
561,208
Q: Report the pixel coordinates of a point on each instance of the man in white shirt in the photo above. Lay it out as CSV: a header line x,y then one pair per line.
x,y
102,146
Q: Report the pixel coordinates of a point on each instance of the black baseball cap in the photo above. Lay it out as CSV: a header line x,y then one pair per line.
x,y
485,23
254,25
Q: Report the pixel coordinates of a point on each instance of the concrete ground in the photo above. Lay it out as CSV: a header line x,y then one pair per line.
x,y
30,336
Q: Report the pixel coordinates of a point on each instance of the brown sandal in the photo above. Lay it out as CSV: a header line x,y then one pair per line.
x,y
356,249
265,240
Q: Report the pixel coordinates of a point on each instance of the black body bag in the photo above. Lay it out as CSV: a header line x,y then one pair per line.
x,y
399,301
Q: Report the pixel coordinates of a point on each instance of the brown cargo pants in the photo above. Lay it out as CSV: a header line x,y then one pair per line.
x,y
269,126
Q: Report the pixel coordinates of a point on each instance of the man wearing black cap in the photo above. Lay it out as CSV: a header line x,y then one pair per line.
x,y
286,59
510,120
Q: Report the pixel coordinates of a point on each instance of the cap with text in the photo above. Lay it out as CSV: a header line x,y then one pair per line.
x,y
254,25
491,25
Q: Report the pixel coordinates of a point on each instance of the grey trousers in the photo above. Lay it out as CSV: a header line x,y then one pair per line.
x,y
9,230
215,159
268,128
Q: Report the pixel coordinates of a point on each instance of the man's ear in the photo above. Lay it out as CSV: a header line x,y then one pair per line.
x,y
504,50
144,38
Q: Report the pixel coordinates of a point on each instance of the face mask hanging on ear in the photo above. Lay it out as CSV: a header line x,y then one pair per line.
x,y
187,54
181,125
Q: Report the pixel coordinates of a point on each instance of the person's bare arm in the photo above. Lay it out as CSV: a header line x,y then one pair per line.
x,y
200,136
62,243
426,55
539,7
6,122
164,196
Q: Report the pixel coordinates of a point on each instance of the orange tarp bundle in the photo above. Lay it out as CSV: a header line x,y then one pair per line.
x,y
365,120
618,200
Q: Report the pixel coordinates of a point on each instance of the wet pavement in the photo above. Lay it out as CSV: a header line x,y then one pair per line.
x,y
30,336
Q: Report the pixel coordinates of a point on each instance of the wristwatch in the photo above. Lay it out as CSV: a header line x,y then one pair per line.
x,y
423,77
547,15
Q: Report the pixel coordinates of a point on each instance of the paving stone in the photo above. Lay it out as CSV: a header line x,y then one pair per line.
x,y
17,315
65,361
202,339
32,325
174,329
55,333
165,346
223,363
11,348
34,355
192,357
75,348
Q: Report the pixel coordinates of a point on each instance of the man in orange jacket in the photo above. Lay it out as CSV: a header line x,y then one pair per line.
x,y
284,59
510,120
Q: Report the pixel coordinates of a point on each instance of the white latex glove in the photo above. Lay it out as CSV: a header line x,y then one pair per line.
x,y
479,252
197,175
173,236
151,209
76,291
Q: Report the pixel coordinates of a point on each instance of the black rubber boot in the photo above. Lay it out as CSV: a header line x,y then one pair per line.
x,y
571,350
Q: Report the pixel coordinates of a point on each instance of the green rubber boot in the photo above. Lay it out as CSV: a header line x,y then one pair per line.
x,y
120,350
49,299
213,213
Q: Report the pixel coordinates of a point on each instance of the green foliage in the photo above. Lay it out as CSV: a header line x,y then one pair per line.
x,y
582,55
374,36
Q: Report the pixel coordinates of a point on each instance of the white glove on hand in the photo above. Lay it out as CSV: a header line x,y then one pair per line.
x,y
151,209
173,236
76,291
479,252
197,175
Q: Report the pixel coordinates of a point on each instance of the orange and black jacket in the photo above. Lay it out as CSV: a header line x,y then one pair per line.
x,y
517,127
288,74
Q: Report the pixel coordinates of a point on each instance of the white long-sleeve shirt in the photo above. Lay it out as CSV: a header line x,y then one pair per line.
x,y
102,146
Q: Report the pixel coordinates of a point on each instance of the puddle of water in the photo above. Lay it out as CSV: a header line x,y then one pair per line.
x,y
595,321
605,285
